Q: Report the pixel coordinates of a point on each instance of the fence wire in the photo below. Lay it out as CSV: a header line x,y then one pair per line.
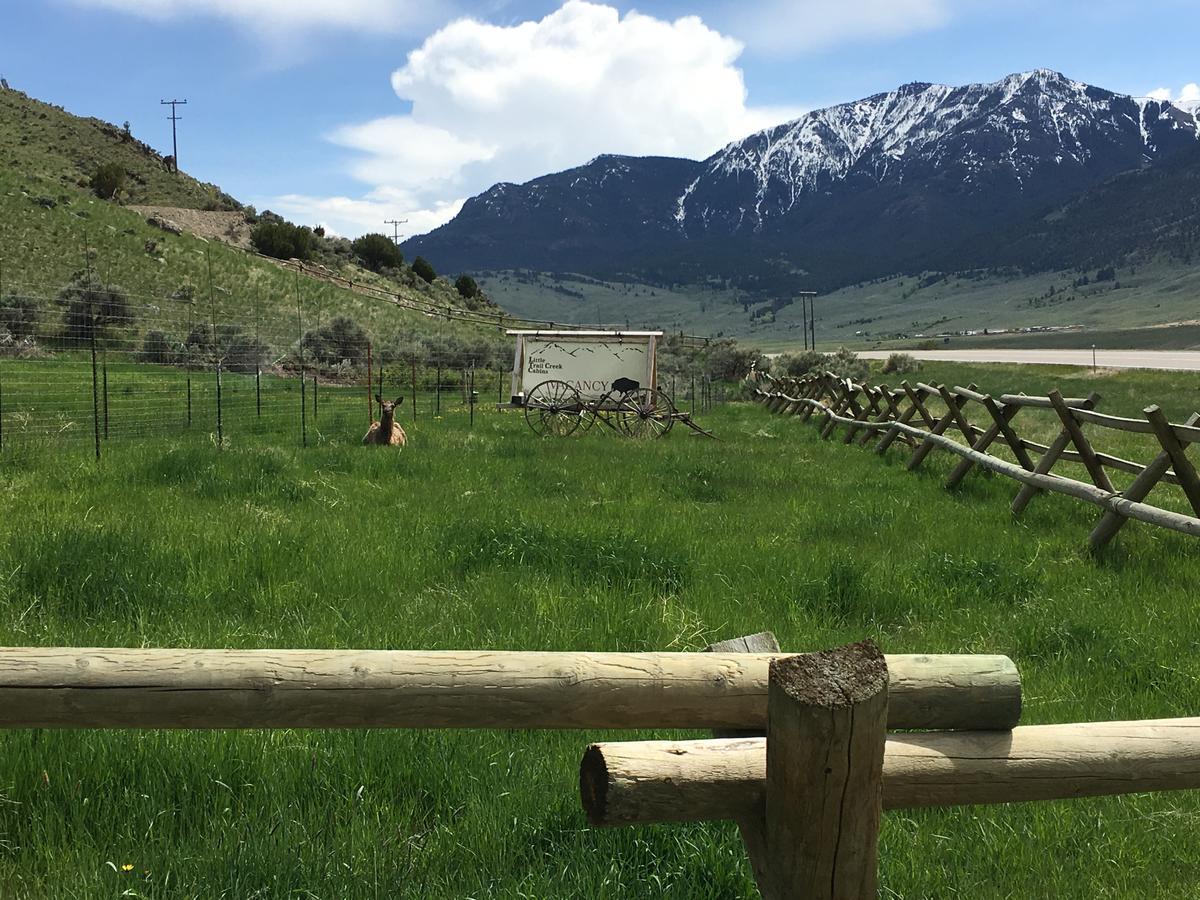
x,y
88,364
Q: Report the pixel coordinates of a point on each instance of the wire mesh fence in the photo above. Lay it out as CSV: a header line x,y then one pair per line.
x,y
85,365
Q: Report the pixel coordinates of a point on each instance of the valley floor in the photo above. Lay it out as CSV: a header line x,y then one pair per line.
x,y
488,537
908,311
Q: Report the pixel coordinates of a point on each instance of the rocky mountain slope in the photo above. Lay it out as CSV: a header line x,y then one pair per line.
x,y
903,180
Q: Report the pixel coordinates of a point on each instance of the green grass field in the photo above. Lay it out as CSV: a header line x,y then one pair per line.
x,y
490,537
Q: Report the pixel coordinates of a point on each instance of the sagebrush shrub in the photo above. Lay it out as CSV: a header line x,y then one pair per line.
x,y
901,364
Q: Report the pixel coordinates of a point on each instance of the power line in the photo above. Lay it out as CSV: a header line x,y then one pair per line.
x,y
395,223
174,138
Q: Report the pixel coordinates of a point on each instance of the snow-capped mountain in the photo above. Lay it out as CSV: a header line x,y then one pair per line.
x,y
885,178
1024,132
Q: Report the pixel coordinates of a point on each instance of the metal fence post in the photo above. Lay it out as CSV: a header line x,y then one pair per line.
x,y
370,383
104,382
258,352
95,384
220,420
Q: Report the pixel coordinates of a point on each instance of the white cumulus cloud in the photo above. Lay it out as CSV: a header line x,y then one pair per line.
x,y
351,217
510,102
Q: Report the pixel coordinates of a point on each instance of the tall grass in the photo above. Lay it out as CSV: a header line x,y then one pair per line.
x,y
492,537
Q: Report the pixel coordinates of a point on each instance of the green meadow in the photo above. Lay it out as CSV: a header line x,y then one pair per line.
x,y
485,536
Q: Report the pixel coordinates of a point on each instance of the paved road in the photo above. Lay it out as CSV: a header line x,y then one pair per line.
x,y
1179,360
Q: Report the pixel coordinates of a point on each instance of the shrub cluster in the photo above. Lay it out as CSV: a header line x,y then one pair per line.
x,y
237,350
797,364
282,240
377,252
91,308
159,348
108,181
842,363
424,270
342,340
19,316
722,359
901,364
466,287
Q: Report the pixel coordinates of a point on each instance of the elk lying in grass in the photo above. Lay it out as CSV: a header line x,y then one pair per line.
x,y
387,431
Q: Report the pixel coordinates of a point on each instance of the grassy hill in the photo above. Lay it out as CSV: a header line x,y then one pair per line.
x,y
53,226
60,150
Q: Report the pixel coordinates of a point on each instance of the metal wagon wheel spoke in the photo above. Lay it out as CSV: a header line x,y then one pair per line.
x,y
645,413
602,410
553,408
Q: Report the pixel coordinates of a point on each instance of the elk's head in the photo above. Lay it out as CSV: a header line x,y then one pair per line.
x,y
388,407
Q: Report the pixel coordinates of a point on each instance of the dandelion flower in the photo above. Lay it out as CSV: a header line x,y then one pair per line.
x,y
127,867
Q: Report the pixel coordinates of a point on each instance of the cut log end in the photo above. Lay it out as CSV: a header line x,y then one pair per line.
x,y
832,678
593,785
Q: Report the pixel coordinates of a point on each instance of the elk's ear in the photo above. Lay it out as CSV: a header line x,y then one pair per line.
x,y
379,400
399,400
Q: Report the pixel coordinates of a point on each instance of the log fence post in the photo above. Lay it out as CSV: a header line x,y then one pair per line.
x,y
871,408
1112,522
1185,472
940,427
1048,459
1093,465
850,390
915,406
890,413
826,731
1003,416
820,387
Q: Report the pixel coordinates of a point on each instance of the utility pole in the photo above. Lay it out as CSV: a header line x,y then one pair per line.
x,y
395,223
812,320
174,138
806,311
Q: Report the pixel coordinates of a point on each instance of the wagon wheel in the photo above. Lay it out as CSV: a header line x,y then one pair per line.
x,y
645,413
553,408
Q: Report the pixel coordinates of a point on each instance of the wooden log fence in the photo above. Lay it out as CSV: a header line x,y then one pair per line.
x,y
867,412
809,795
803,758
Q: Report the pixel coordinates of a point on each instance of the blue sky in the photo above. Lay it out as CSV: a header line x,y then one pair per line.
x,y
347,112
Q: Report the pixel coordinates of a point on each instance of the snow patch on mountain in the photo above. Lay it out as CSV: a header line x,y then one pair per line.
x,y
1034,116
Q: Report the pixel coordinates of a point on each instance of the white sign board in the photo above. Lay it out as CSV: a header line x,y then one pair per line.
x,y
590,363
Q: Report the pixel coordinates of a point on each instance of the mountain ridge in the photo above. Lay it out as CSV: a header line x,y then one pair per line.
x,y
847,192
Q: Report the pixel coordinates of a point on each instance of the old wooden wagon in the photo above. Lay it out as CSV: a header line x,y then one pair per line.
x,y
567,381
